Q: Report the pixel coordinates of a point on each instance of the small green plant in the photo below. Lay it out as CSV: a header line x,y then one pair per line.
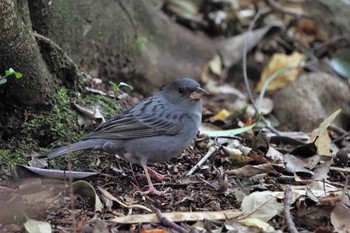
x,y
9,72
116,87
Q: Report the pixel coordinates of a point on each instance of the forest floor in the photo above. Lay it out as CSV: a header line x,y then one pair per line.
x,y
256,179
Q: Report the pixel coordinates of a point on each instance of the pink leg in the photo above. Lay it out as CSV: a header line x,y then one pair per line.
x,y
151,188
155,174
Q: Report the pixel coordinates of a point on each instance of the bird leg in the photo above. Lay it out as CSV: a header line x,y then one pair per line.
x,y
155,174
151,188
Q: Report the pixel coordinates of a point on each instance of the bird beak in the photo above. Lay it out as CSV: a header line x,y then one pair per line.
x,y
198,93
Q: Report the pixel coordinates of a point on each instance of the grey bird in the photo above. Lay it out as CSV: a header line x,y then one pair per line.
x,y
156,129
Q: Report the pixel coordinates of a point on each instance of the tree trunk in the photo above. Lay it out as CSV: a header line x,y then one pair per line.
x,y
20,51
117,40
122,40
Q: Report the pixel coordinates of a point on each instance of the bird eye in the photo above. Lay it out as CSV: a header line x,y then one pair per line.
x,y
181,90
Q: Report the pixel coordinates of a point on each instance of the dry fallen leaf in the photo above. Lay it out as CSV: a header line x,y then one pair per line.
x,y
280,61
231,49
33,226
237,157
340,218
178,217
323,142
222,115
216,65
295,164
255,222
252,170
216,88
274,156
109,196
306,31
265,105
88,116
85,189
212,69
263,205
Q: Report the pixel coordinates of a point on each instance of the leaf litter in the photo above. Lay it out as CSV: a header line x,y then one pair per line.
x,y
193,198
241,185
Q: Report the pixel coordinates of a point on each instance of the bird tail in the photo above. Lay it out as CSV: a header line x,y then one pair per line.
x,y
81,145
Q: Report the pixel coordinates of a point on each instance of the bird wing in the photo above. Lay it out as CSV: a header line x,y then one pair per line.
x,y
150,117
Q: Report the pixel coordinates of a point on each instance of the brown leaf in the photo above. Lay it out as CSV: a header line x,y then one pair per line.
x,y
323,143
280,61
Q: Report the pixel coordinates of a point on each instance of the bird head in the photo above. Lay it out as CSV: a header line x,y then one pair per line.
x,y
184,90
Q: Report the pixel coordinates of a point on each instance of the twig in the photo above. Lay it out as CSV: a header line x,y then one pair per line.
x,y
169,223
212,149
287,215
6,189
71,191
244,61
325,46
341,137
273,77
277,6
245,74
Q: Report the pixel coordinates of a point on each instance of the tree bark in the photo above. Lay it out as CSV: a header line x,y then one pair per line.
x,y
20,51
122,40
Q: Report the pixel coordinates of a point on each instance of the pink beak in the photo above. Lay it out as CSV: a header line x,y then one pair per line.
x,y
198,93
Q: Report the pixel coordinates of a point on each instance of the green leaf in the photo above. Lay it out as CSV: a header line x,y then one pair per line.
x,y
227,133
18,75
3,80
11,72
123,84
114,86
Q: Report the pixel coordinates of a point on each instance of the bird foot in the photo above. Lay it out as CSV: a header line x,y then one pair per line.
x,y
156,175
151,188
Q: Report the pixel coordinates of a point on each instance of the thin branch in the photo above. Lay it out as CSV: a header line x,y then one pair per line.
x,y
169,223
245,74
212,149
341,137
286,210
244,61
71,191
